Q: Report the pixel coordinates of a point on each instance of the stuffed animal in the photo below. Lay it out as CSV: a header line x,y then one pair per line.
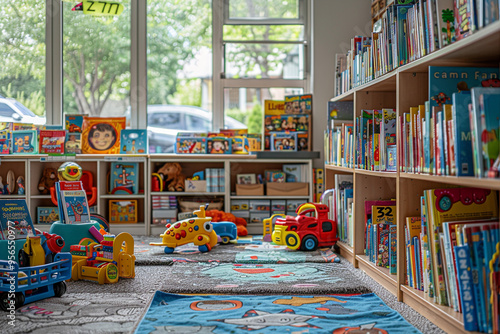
x,y
49,178
218,216
171,173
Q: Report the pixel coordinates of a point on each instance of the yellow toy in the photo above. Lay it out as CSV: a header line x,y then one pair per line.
x,y
196,230
34,250
268,226
105,262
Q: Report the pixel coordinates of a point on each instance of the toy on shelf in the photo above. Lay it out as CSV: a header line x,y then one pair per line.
x,y
123,211
20,185
123,178
309,230
197,230
48,180
173,178
104,262
11,182
226,231
70,171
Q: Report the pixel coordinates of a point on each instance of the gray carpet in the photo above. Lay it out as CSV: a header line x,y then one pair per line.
x,y
147,255
88,307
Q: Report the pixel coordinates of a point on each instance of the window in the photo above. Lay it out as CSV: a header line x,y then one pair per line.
x,y
22,50
96,62
264,48
179,64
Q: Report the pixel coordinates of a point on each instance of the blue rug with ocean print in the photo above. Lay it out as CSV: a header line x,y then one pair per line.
x,y
336,314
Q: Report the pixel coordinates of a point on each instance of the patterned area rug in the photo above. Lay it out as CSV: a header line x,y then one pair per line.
x,y
239,278
272,314
245,251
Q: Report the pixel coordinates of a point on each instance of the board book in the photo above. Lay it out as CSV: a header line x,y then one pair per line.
x,y
15,219
72,201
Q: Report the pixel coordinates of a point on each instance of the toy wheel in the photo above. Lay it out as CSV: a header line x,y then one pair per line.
x,y
204,248
24,259
225,240
59,288
292,240
309,243
169,250
4,300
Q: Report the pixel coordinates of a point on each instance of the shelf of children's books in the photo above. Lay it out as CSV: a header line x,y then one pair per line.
x,y
122,196
113,157
481,48
346,251
181,157
181,193
465,181
443,316
339,169
379,274
347,96
270,197
376,173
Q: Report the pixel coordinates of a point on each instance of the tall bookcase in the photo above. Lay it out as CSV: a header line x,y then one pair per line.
x,y
401,89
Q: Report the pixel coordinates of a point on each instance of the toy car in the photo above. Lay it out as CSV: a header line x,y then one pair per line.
x,y
196,230
308,231
226,231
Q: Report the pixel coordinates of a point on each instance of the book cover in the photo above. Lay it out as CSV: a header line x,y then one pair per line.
x,y
101,135
293,172
446,22
454,204
383,217
74,202
24,142
5,141
464,19
274,107
467,296
393,252
15,216
47,214
219,145
284,141
462,134
298,104
190,145
444,81
368,213
74,123
389,134
52,142
73,143
133,141
488,101
123,178
340,111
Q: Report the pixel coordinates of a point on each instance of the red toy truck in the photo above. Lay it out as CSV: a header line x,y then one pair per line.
x,y
309,230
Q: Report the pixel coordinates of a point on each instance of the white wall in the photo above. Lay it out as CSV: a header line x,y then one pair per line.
x,y
333,24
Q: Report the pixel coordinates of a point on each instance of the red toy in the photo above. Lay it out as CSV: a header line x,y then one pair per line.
x,y
309,230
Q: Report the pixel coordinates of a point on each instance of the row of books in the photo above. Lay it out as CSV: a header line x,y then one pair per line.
x,y
341,207
460,138
215,180
450,251
406,32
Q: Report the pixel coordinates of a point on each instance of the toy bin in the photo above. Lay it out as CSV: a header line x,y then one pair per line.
x,y
249,189
288,189
33,283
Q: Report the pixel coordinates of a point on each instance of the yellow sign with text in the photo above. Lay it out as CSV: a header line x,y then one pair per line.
x,y
102,8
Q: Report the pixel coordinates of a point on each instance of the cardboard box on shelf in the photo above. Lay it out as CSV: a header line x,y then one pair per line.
x,y
288,189
195,186
249,189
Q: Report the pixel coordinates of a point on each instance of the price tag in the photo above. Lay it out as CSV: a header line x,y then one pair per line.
x,y
102,8
54,158
112,158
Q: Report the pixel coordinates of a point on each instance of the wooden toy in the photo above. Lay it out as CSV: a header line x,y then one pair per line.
x,y
309,230
196,230
105,262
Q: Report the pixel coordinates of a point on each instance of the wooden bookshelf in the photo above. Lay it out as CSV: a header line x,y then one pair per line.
x,y
405,87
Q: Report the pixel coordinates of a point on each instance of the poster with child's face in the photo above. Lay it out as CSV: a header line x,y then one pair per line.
x,y
102,135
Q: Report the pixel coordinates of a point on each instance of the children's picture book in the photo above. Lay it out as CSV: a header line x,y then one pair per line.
x,y
191,143
5,139
464,18
274,107
275,176
219,145
47,214
73,201
73,144
368,213
298,104
293,123
444,81
15,219
74,123
24,142
52,142
382,218
123,178
133,141
246,179
393,251
123,211
294,172
464,165
283,141
446,22
101,135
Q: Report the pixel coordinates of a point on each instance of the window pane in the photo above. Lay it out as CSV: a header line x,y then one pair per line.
x,y
246,105
179,67
96,62
263,32
280,61
263,9
22,50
